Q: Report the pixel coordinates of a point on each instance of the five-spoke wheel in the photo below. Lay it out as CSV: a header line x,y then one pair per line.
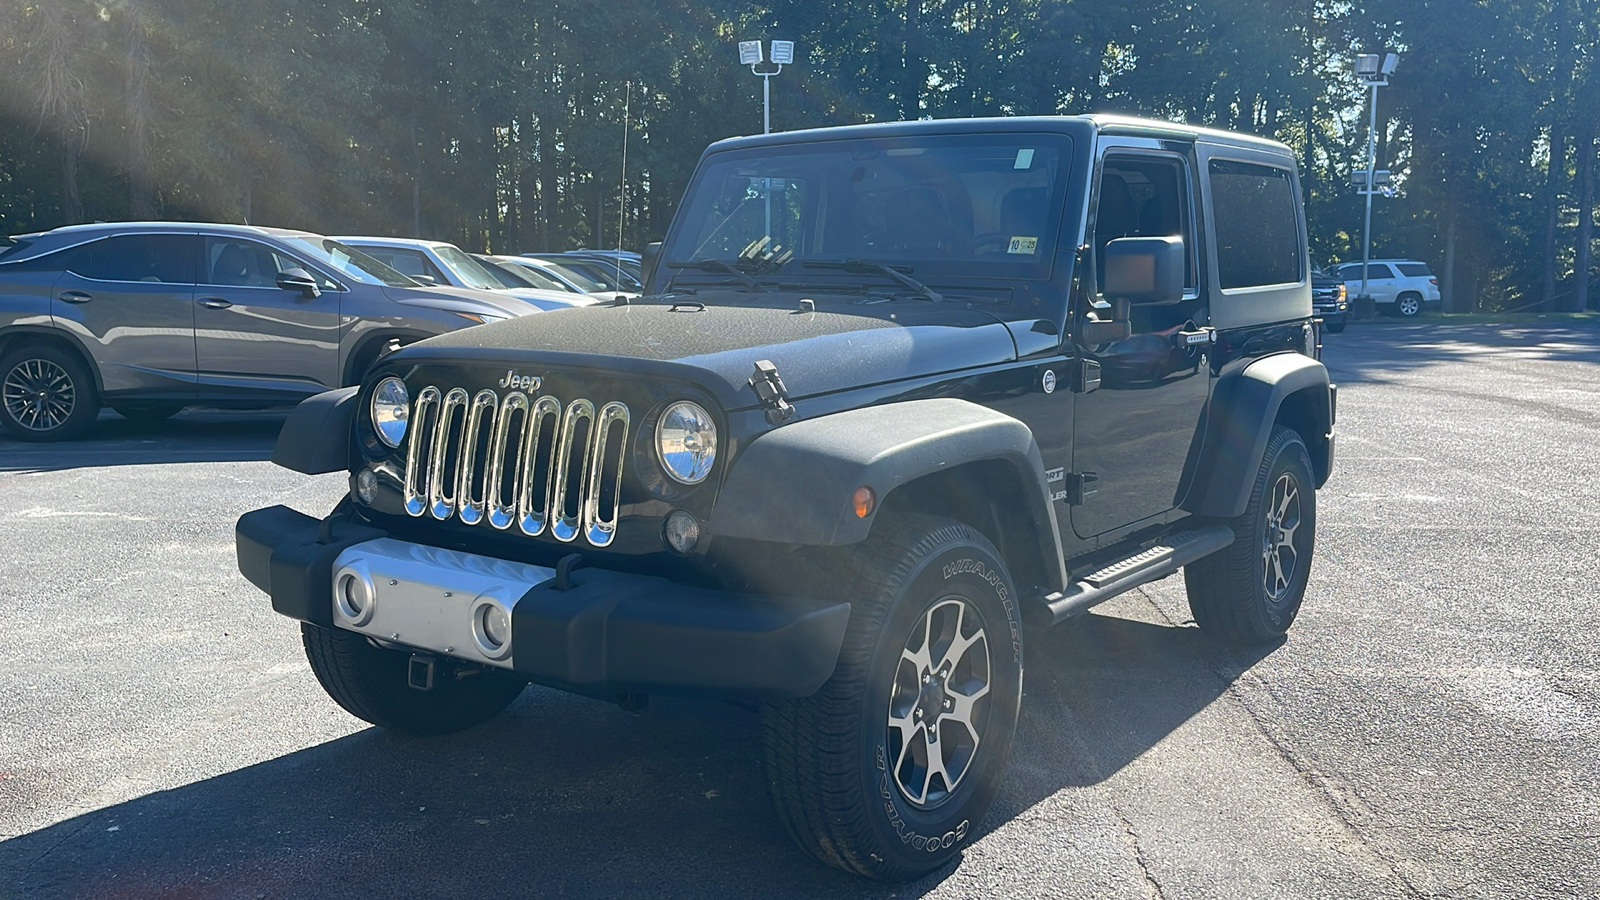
x,y
937,705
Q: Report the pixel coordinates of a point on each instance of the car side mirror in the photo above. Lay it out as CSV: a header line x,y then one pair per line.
x,y
425,280
1144,270
298,279
647,262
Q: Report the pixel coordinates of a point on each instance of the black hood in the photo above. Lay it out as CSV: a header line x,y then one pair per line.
x,y
720,336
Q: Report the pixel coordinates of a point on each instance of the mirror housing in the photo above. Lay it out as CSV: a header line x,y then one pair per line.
x,y
647,261
298,279
425,280
1144,270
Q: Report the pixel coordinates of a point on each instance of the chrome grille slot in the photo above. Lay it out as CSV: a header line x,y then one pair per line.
x,y
446,454
603,496
424,416
471,490
501,487
538,451
572,461
529,461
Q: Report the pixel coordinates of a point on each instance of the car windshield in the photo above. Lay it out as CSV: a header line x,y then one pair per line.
x,y
939,203
578,278
349,261
508,276
467,269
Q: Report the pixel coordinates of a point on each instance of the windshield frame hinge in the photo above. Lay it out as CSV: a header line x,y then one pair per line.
x,y
770,390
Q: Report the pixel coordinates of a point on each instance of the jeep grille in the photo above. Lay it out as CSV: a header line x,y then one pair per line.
x,y
515,460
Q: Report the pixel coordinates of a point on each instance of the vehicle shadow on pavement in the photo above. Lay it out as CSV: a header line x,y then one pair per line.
x,y
569,796
192,436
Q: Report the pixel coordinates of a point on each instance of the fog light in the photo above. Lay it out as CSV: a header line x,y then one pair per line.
x,y
367,486
682,532
491,628
354,598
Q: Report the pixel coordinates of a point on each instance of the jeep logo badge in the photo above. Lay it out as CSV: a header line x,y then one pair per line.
x,y
521,382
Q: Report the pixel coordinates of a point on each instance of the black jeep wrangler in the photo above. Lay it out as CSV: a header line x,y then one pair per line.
x,y
892,392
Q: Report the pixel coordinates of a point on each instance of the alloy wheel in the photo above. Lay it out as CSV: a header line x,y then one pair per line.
x,y
1279,553
39,395
938,705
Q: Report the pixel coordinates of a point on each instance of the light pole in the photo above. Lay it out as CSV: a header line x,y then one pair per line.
x,y
1371,74
750,55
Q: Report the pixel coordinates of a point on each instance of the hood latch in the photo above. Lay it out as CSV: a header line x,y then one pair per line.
x,y
769,389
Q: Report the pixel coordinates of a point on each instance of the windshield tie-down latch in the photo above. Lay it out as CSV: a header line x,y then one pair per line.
x,y
769,389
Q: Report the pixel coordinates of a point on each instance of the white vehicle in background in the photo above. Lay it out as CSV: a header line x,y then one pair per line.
x,y
446,264
579,281
1399,287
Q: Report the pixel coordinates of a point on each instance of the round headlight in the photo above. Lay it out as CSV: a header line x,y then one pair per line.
x,y
686,441
390,408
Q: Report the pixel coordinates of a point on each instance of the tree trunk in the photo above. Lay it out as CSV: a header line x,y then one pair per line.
x,y
1448,276
416,183
914,75
141,201
1552,203
1585,156
71,199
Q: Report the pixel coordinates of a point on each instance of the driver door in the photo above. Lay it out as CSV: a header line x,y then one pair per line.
x,y
253,337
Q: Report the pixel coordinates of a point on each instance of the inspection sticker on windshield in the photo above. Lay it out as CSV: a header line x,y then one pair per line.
x,y
1023,245
1024,158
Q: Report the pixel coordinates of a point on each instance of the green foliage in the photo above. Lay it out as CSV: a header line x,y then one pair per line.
x,y
501,124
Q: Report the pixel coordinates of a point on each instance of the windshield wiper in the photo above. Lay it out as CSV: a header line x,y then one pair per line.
x,y
868,265
712,264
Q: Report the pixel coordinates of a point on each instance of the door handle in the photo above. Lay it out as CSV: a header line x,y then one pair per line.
x,y
75,297
216,303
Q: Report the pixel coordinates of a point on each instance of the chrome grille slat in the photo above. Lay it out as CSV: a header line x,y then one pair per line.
x,y
506,471
416,498
562,526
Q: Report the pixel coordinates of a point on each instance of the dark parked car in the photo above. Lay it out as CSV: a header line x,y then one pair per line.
x,y
895,390
150,317
1329,300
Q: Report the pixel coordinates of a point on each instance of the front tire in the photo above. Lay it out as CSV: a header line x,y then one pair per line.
x,y
46,394
1334,327
370,683
889,769
1250,592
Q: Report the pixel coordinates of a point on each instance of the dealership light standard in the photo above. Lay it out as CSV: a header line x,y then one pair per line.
x,y
750,55
1374,75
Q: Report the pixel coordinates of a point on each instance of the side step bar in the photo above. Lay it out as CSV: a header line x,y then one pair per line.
x,y
1170,554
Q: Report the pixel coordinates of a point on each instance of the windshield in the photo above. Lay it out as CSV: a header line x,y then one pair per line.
x,y
967,204
467,269
584,282
349,261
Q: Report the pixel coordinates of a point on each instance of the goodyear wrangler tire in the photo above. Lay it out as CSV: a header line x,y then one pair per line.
x,y
1250,592
370,683
889,769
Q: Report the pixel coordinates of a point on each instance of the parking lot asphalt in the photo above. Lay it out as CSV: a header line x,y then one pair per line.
x,y
1431,727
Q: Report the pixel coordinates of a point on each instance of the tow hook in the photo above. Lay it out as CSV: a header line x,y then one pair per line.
x,y
419,672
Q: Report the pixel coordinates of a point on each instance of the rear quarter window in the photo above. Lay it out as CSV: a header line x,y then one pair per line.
x,y
1258,230
1414,270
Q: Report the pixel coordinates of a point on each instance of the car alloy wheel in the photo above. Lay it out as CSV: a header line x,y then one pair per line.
x,y
938,703
39,394
1279,554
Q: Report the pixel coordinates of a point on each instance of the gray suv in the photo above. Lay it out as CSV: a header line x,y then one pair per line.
x,y
148,318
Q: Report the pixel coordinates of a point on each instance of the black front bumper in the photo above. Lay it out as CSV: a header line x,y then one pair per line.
x,y
607,633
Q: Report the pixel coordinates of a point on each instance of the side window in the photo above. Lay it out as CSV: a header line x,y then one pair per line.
x,y
410,263
1144,196
152,258
1415,270
1258,231
234,262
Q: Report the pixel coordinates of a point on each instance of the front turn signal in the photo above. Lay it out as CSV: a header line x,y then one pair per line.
x,y
864,502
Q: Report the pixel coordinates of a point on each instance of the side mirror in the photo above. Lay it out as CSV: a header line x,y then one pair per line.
x,y
298,279
1145,270
427,280
647,262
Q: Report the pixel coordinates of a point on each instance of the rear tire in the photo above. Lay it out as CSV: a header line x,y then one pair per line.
x,y
1250,592
859,778
46,393
370,683
1408,306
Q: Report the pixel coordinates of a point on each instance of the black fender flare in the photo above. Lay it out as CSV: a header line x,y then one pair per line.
x,y
796,484
315,439
1244,407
